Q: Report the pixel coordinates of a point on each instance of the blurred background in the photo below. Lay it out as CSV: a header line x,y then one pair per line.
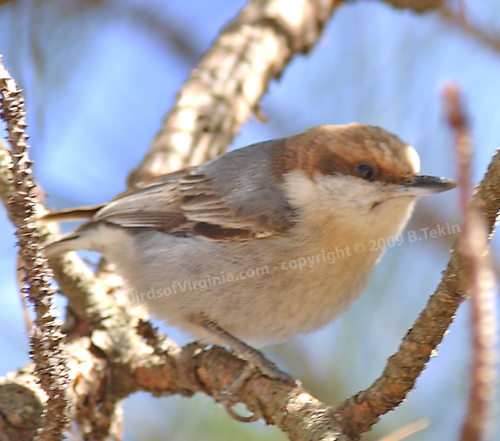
x,y
98,77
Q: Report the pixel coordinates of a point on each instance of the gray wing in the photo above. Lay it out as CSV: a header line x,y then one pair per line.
x,y
241,202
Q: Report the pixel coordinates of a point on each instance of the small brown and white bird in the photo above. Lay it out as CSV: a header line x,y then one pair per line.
x,y
266,242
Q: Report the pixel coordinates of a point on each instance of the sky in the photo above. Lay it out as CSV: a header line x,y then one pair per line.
x,y
98,78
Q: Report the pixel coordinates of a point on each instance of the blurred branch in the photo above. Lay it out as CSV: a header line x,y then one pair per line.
x,y
406,431
224,89
416,5
360,412
457,19
46,338
167,31
474,251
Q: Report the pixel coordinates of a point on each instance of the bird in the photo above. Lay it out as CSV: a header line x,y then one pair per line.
x,y
264,242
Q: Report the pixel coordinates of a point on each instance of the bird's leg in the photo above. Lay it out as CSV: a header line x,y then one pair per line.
x,y
246,352
255,361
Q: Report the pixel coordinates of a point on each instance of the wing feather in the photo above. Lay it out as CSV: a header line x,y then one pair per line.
x,y
185,204
201,201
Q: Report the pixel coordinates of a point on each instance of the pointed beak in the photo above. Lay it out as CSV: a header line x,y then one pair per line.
x,y
422,185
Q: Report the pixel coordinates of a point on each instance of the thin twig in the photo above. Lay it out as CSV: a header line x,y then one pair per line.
x,y
46,338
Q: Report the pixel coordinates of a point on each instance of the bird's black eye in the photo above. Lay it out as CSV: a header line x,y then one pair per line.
x,y
365,171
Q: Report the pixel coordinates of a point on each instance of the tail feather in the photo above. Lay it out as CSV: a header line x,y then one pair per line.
x,y
92,236
70,214
68,242
71,241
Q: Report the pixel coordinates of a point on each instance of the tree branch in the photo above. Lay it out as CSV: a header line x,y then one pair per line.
x,y
419,6
474,250
224,89
46,338
493,42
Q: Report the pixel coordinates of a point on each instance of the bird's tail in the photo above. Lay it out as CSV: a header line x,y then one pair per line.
x,y
73,240
70,214
68,242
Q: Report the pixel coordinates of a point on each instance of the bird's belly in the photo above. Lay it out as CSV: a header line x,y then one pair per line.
x,y
243,287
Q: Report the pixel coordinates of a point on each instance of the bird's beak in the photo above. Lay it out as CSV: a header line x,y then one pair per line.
x,y
422,185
